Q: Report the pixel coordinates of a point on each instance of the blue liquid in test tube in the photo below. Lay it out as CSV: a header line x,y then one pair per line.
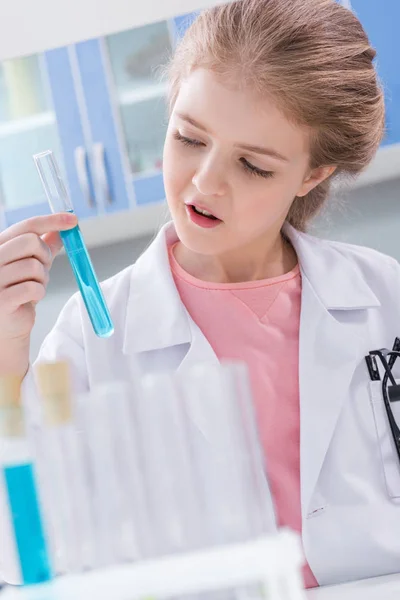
x,y
74,245
27,521
17,472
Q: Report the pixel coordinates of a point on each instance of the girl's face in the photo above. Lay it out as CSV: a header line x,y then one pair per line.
x,y
235,157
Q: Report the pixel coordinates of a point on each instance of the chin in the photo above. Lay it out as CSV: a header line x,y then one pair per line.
x,y
198,240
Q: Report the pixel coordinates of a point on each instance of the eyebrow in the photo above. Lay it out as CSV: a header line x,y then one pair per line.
x,y
256,149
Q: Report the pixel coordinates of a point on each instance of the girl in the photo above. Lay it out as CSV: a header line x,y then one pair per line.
x,y
270,101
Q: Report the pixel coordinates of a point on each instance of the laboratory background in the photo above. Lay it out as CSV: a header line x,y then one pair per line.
x,y
99,104
91,89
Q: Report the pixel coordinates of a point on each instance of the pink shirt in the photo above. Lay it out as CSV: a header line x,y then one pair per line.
x,y
258,322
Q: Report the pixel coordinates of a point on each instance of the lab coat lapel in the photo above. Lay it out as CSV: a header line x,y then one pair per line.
x,y
156,318
328,355
200,351
332,336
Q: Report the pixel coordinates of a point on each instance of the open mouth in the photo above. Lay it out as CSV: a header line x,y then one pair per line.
x,y
203,213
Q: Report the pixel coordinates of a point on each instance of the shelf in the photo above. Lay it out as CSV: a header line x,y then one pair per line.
x,y
27,124
145,174
142,93
274,562
125,225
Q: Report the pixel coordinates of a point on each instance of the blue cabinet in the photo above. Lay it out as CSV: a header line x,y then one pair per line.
x,y
132,93
74,138
107,153
381,21
49,118
101,106
28,123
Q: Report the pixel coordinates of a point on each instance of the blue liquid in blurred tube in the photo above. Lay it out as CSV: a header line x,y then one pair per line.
x,y
74,245
28,529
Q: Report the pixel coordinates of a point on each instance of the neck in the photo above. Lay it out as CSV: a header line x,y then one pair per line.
x,y
261,259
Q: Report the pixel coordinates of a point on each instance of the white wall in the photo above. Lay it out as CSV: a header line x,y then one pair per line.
x,y
368,216
31,26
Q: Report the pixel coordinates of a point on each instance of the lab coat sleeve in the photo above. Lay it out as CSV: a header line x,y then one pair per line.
x,y
64,342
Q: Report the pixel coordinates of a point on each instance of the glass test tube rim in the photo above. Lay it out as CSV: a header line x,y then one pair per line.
x,y
61,201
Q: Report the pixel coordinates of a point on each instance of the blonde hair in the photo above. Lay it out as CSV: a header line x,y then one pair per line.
x,y
314,58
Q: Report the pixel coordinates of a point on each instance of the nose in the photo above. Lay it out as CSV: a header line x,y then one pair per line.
x,y
209,178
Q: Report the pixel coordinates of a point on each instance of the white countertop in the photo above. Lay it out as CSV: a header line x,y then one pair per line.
x,y
379,588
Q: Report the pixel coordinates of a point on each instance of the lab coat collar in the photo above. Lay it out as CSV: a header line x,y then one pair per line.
x,y
156,317
335,280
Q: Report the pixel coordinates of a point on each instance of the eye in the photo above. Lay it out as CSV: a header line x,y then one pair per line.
x,y
252,170
187,141
248,167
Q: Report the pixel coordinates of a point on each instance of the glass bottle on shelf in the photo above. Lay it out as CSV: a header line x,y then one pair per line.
x,y
23,90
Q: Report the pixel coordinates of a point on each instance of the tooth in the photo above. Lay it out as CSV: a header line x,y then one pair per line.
x,y
204,212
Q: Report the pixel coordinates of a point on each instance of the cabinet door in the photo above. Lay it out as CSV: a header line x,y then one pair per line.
x,y
381,21
127,109
106,153
27,125
70,110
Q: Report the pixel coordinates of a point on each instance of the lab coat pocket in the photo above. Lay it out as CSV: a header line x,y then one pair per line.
x,y
390,459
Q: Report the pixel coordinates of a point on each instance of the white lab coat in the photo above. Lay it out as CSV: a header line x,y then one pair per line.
x,y
350,474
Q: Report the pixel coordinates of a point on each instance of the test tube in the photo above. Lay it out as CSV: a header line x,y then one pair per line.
x,y
262,518
74,245
226,456
171,486
67,490
21,487
97,429
118,398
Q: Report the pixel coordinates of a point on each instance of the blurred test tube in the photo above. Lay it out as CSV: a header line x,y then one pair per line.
x,y
227,457
105,487
170,481
118,399
64,476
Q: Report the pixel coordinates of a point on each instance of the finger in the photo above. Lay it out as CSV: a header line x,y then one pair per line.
x,y
53,241
25,246
15,296
40,225
28,269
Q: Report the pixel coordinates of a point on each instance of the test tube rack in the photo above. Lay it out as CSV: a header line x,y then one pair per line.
x,y
272,562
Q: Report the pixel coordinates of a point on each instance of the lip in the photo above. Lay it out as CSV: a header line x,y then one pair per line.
x,y
202,207
201,220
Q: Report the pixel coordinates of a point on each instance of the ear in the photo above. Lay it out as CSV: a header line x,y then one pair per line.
x,y
314,178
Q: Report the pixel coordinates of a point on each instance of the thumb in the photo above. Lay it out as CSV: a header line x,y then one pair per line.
x,y
53,241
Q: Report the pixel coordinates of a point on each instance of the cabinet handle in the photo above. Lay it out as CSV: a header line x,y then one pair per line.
x,y
83,176
99,165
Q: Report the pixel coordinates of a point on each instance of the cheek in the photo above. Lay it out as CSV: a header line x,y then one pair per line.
x,y
262,201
